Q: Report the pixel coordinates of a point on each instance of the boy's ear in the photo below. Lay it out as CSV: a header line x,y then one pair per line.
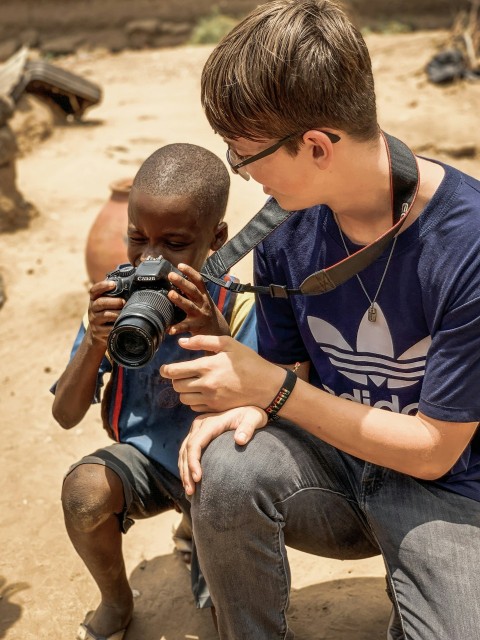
x,y
321,147
221,236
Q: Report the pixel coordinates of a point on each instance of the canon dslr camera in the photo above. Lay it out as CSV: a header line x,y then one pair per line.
x,y
148,313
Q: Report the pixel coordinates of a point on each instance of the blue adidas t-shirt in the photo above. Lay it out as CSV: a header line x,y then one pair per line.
x,y
143,408
423,351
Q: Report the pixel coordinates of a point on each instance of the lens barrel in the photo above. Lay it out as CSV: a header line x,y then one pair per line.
x,y
140,328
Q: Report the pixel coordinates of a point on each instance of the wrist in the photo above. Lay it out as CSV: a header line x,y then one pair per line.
x,y
267,386
95,343
281,396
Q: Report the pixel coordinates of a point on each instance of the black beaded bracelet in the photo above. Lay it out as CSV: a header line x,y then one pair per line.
x,y
282,396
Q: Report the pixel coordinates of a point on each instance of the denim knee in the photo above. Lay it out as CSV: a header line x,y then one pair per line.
x,y
238,482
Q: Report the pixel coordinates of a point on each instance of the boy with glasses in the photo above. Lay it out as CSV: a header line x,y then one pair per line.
x,y
371,446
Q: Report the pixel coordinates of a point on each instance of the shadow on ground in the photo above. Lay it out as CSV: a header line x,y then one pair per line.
x,y
9,611
165,609
351,609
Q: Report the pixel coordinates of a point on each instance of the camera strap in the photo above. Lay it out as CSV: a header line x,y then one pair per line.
x,y
404,183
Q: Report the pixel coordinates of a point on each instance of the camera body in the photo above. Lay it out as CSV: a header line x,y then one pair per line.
x,y
141,325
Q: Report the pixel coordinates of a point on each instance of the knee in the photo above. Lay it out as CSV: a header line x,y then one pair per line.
x,y
236,481
90,494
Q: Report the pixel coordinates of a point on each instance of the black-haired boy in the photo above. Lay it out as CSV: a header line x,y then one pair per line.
x,y
176,210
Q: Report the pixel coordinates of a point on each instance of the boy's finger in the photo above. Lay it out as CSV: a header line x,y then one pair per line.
x,y
180,460
192,459
107,304
191,452
245,431
194,368
186,304
192,274
214,344
185,475
187,287
204,429
109,316
197,442
98,288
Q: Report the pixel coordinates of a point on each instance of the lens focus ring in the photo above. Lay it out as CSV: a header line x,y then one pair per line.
x,y
140,327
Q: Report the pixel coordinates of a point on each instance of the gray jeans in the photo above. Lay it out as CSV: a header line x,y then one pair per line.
x,y
288,487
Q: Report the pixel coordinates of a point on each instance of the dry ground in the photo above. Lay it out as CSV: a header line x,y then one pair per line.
x,y
152,98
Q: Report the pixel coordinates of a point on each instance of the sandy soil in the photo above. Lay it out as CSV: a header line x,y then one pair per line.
x,y
152,98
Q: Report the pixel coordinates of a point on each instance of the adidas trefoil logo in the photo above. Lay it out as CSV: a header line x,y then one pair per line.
x,y
374,358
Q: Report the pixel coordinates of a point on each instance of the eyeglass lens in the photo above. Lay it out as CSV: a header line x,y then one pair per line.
x,y
233,159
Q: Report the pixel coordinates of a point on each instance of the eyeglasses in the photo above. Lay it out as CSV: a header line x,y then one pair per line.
x,y
236,164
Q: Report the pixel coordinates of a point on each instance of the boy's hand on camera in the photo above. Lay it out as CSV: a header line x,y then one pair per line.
x,y
205,428
202,315
102,312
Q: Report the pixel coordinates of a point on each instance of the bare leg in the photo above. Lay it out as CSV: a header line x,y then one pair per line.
x,y
92,495
182,538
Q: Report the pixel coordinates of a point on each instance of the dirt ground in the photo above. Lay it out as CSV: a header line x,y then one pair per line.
x,y
150,99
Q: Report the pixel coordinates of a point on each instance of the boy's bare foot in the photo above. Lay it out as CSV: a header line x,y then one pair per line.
x,y
107,620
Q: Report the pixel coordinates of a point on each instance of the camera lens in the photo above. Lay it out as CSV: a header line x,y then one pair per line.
x,y
131,343
140,328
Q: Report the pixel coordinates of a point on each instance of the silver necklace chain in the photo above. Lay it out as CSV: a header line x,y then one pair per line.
x,y
372,312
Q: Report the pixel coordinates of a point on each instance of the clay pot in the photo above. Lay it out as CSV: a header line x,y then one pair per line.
x,y
107,240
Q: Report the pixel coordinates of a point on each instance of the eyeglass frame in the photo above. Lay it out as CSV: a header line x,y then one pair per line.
x,y
268,151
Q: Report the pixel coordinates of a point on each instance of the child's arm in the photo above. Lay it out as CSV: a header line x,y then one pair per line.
x,y
203,316
76,387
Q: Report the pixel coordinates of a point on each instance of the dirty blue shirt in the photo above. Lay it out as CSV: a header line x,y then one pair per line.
x,y
143,408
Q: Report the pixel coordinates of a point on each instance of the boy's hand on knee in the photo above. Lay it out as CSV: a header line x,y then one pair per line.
x,y
243,420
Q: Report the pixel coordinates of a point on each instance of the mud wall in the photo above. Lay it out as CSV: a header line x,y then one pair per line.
x,y
61,26
418,14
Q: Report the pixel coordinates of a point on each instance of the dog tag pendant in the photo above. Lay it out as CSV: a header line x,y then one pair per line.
x,y
372,313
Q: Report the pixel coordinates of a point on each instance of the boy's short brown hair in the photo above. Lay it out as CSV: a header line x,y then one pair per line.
x,y
290,66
